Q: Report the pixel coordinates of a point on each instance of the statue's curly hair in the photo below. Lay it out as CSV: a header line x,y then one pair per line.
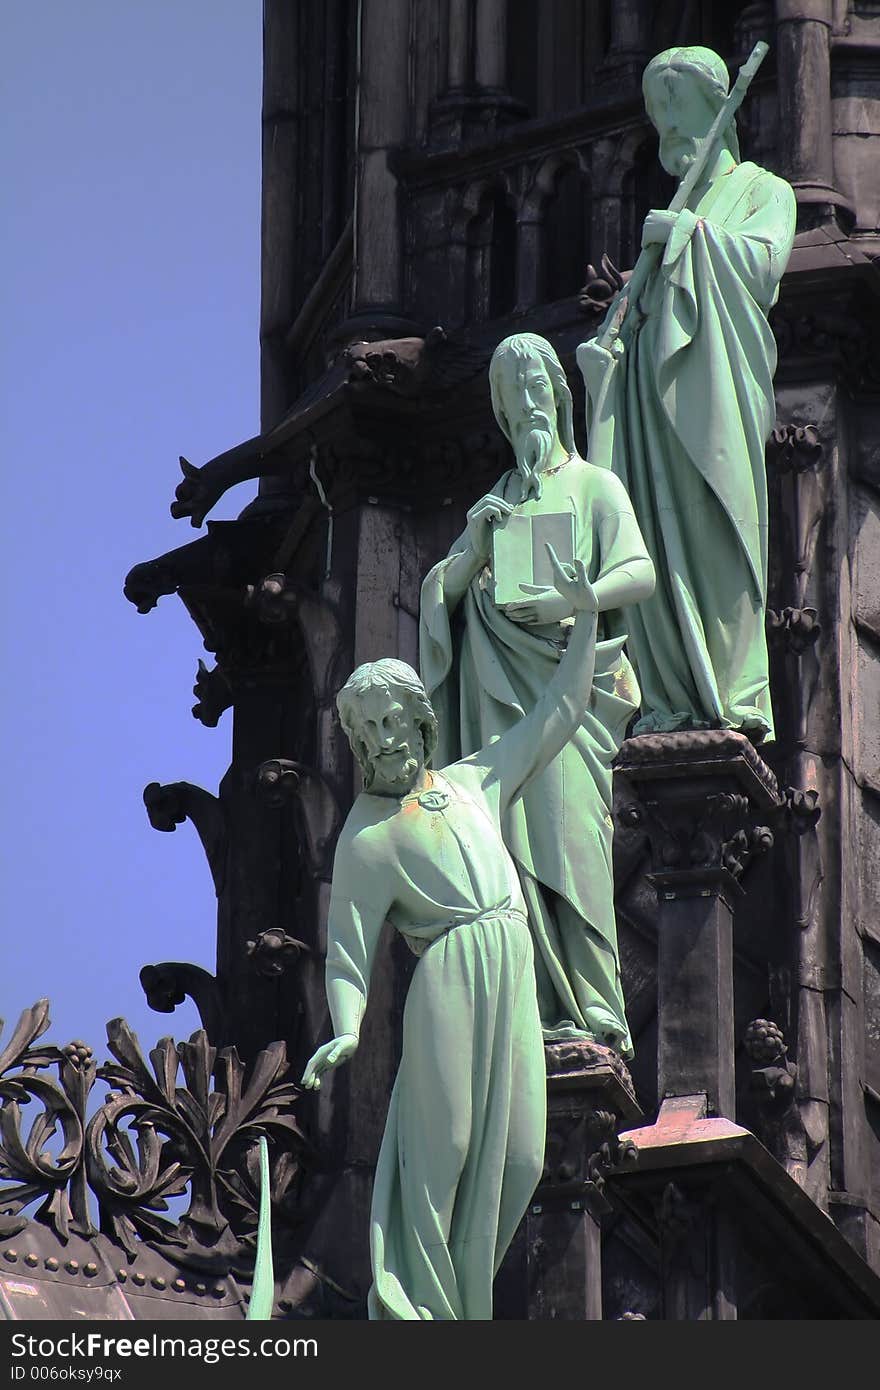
x,y
401,681
523,346
706,68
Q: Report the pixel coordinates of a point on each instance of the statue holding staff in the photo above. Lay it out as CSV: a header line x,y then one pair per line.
x,y
680,404
488,647
464,1140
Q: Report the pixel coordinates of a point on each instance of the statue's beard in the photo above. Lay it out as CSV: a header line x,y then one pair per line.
x,y
677,154
534,450
403,778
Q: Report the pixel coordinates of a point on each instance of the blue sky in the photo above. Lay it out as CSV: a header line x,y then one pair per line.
x,y
130,312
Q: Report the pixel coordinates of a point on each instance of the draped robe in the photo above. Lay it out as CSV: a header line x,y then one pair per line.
x,y
692,406
463,1145
482,672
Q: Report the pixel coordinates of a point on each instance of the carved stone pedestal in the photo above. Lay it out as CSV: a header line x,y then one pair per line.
x,y
702,796
554,1267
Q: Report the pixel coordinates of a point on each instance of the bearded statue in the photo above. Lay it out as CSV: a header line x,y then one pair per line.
x,y
487,653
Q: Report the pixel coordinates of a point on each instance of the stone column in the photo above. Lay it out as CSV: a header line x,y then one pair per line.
x,y
554,1267
701,795
803,61
458,58
476,100
627,53
490,56
383,123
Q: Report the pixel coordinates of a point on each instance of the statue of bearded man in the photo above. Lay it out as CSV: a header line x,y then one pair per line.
x,y
691,405
486,663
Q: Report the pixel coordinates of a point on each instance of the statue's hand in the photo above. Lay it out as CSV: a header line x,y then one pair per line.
x,y
480,519
658,226
543,606
573,584
332,1054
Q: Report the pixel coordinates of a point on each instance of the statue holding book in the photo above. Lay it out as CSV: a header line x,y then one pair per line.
x,y
680,403
493,629
422,848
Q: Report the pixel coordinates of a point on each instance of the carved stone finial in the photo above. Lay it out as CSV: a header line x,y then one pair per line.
x,y
213,695
798,628
795,448
801,810
773,1086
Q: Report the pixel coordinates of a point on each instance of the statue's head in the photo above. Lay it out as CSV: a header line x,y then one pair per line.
x,y
684,89
531,398
391,726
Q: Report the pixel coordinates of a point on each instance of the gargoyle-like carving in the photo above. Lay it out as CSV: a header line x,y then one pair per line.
x,y
146,583
170,805
197,494
154,1138
799,628
282,781
167,984
274,951
795,448
801,809
701,832
774,1082
581,1149
601,286
213,693
272,601
34,1168
401,365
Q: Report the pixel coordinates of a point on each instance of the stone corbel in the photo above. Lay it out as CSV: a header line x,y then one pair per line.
x,y
170,805
167,984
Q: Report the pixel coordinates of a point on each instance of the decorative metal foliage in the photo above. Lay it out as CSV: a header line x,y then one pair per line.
x,y
152,1139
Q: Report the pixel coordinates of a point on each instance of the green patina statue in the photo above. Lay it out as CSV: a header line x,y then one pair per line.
x,y
488,647
464,1140
681,404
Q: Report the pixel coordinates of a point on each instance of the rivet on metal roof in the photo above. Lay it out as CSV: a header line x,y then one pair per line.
x,y
158,1281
